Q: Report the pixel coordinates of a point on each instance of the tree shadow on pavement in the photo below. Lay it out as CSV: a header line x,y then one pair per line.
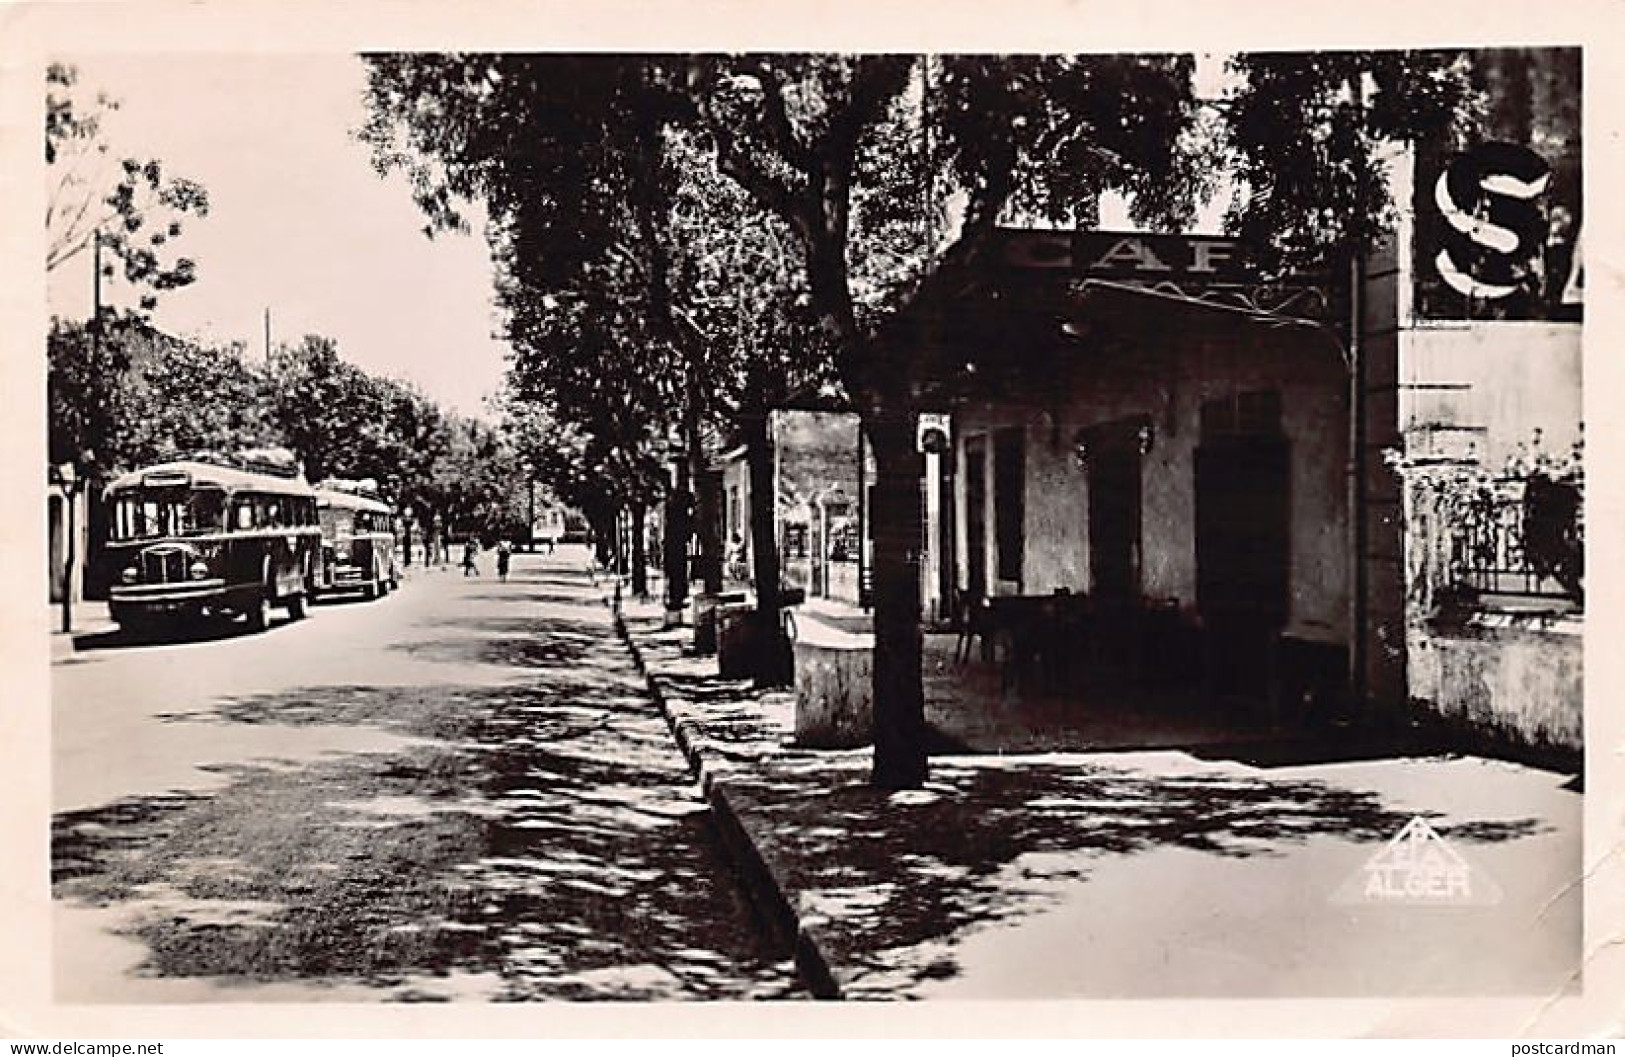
x,y
555,648
173,633
895,878
523,593
549,844
977,847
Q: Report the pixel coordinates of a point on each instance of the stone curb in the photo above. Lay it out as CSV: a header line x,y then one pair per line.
x,y
769,894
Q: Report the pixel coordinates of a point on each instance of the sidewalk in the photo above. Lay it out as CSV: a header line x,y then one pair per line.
x,y
1131,875
89,619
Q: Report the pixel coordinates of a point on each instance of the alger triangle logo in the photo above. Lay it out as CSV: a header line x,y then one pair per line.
x,y
1418,867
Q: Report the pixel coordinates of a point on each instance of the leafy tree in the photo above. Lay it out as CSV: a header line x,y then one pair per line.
x,y
88,391
1309,138
637,279
739,274
473,483
890,173
133,209
135,213
326,409
415,437
570,168
894,170
188,398
132,395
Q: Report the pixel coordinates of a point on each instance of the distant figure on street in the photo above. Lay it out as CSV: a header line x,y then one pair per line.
x,y
471,551
504,556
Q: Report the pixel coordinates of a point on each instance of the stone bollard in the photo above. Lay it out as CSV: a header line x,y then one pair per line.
x,y
736,640
834,678
707,608
705,623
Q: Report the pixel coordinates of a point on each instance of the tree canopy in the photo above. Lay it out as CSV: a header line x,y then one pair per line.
x,y
888,175
133,207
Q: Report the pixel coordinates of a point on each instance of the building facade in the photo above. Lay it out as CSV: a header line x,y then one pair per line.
x,y
820,471
1486,346
1166,433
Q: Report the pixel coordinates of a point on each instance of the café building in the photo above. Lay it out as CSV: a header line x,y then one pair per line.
x,y
1154,468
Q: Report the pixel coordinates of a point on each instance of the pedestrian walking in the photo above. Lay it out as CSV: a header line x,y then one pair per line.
x,y
471,551
504,556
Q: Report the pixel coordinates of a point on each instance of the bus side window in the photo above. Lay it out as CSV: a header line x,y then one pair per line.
x,y
245,514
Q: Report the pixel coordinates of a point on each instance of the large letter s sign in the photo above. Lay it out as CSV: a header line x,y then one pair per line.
x,y
1490,198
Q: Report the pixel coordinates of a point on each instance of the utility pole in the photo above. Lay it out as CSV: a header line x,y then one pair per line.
x,y
267,334
68,477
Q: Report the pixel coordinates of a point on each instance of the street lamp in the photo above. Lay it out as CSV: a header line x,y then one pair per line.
x,y
68,480
406,527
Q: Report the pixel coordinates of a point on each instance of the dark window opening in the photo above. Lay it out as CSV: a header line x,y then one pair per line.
x,y
1009,499
976,517
1254,414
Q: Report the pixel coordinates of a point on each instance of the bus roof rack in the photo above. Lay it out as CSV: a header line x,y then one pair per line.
x,y
366,486
278,462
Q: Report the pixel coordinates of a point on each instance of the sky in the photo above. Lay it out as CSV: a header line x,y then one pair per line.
x,y
299,222
302,225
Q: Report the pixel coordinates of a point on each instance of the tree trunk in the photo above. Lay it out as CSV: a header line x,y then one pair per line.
x,y
678,525
680,505
772,651
899,700
640,559
708,523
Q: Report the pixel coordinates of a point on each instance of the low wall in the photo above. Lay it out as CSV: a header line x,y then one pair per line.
x,y
1515,679
834,686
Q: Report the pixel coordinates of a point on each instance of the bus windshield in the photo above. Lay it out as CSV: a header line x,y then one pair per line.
x,y
147,513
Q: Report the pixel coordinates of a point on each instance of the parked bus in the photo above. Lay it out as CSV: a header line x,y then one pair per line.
x,y
358,541
209,535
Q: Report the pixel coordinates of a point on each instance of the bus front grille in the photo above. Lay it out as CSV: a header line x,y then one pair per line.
x,y
163,567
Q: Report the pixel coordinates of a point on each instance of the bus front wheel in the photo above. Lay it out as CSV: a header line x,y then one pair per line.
x,y
259,613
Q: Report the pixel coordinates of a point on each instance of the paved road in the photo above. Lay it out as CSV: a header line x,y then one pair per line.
x,y
459,791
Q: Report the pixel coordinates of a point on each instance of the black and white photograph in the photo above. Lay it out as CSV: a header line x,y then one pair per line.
x,y
752,526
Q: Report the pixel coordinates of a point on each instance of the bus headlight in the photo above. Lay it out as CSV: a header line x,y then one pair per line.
x,y
199,570
129,575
